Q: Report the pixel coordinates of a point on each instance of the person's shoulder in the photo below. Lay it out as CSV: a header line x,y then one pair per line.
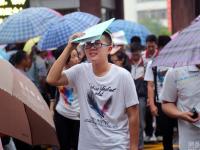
x,y
143,53
120,70
178,69
85,65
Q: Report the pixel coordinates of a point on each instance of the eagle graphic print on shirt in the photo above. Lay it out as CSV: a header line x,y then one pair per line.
x,y
93,104
100,100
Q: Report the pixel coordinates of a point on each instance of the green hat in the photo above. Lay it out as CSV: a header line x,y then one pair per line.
x,y
95,32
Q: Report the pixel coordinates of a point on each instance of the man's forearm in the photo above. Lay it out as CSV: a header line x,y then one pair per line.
x,y
171,110
150,87
56,69
133,116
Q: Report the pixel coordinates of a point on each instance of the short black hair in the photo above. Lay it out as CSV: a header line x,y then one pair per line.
x,y
17,58
107,37
136,39
152,38
136,47
56,53
163,40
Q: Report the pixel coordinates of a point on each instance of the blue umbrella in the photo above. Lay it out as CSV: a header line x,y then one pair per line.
x,y
130,28
58,34
26,24
3,54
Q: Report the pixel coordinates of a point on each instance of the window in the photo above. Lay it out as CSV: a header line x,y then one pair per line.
x,y
149,0
154,14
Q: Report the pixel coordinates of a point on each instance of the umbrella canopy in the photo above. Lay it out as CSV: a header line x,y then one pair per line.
x,y
130,28
26,24
29,44
3,54
58,34
183,50
23,112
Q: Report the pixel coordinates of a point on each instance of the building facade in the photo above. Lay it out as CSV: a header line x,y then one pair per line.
x,y
9,7
102,8
105,9
182,13
138,10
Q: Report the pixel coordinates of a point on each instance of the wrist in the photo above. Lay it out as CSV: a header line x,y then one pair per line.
x,y
69,48
151,104
179,115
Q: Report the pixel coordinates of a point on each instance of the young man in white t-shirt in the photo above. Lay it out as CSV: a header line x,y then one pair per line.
x,y
107,96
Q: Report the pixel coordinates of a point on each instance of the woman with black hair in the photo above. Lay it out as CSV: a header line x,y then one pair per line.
x,y
67,111
121,59
21,61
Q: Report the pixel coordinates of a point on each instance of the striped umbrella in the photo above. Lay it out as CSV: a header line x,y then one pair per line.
x,y
130,28
26,24
58,34
183,50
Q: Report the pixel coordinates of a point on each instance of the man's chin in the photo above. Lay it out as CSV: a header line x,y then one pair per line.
x,y
93,59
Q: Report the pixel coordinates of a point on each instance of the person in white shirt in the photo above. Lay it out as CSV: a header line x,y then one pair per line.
x,y
149,54
107,97
137,72
67,111
155,77
180,95
151,49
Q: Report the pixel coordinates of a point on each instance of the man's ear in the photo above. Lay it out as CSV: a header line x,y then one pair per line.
x,y
109,49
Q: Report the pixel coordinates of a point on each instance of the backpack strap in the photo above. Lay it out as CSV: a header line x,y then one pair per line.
x,y
154,69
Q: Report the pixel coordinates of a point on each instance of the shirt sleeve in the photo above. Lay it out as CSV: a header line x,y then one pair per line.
x,y
149,73
72,75
130,94
169,92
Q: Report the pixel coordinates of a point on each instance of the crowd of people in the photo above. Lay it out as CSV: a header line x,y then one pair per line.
x,y
106,98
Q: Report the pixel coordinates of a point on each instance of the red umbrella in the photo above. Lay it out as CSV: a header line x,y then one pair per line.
x,y
23,112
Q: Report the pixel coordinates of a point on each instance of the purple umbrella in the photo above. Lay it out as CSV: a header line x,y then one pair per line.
x,y
183,50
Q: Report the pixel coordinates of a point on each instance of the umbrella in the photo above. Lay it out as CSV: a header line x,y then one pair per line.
x,y
26,24
130,28
173,36
23,112
3,54
58,34
30,43
183,50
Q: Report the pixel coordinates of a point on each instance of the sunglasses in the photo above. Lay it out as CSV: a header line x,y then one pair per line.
x,y
95,45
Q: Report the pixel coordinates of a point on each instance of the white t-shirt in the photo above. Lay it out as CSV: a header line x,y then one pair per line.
x,y
181,86
68,105
137,70
103,102
147,59
161,72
